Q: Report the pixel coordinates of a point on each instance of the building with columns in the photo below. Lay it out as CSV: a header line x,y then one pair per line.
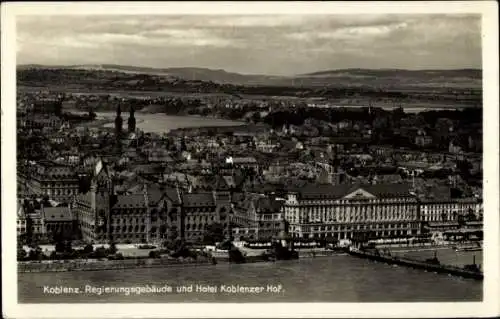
x,y
342,211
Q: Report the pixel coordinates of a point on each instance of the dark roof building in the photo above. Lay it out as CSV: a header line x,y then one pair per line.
x,y
58,214
198,200
323,191
130,201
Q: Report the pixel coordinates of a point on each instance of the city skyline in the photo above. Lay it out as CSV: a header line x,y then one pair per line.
x,y
247,44
176,153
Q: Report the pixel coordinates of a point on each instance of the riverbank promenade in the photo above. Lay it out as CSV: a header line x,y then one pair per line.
x,y
416,264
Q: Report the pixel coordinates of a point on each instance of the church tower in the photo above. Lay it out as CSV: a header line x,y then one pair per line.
x,y
118,121
102,199
131,120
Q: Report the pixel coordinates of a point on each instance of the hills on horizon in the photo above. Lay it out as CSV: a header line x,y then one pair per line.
x,y
467,77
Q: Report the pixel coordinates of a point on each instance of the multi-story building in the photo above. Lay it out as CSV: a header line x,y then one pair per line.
x,y
270,221
57,181
258,217
105,216
267,146
149,215
201,209
341,211
47,105
93,207
445,210
60,221
129,219
443,214
21,220
48,123
242,162
30,223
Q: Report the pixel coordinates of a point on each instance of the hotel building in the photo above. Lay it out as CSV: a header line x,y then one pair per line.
x,y
341,211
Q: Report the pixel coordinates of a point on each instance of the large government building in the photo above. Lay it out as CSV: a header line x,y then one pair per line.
x,y
149,215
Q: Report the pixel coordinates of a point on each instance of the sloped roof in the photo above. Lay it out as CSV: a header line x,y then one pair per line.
x,y
339,191
172,194
154,194
237,197
388,190
59,172
223,182
437,193
266,204
148,168
243,160
83,197
324,191
198,199
230,181
130,201
57,214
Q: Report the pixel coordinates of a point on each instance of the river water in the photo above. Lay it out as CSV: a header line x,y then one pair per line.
x,y
339,278
162,123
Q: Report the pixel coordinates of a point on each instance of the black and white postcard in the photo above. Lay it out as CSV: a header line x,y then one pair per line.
x,y
235,159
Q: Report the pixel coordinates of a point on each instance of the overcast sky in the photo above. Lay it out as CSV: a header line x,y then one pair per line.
x,y
265,44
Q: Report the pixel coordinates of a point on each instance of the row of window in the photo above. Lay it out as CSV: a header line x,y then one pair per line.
x,y
436,218
129,236
129,211
240,231
349,218
195,226
270,216
358,227
449,206
128,229
355,201
198,218
127,220
59,191
72,184
51,227
343,209
270,225
348,235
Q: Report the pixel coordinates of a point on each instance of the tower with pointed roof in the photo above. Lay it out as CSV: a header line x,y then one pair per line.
x,y
131,120
118,121
102,199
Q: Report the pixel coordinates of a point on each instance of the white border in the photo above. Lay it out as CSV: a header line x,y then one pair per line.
x,y
489,306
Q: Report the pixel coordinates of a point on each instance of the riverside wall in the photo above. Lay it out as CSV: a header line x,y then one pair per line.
x,y
94,265
416,264
320,253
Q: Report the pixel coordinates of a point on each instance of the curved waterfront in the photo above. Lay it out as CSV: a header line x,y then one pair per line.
x,y
162,123
325,279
